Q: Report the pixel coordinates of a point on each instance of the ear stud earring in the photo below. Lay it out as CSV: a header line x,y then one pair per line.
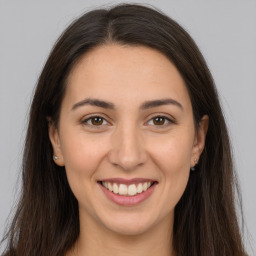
x,y
55,158
193,168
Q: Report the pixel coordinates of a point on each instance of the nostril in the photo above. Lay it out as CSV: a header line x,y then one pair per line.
x,y
127,154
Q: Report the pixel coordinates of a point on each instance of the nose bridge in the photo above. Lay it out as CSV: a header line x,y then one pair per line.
x,y
127,147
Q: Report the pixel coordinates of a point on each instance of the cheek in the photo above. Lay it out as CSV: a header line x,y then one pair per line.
x,y
82,156
172,153
80,150
172,156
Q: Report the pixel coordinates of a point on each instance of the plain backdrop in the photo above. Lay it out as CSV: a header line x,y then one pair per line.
x,y
225,31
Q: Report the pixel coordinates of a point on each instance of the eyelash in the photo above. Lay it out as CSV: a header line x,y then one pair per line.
x,y
166,118
85,121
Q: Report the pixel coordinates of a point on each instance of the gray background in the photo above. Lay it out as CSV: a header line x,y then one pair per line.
x,y
224,30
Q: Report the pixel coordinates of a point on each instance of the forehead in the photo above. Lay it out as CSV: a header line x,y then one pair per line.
x,y
125,74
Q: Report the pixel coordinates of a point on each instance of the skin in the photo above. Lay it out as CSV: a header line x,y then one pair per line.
x,y
129,142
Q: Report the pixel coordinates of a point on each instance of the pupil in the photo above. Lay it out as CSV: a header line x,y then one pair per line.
x,y
159,121
97,120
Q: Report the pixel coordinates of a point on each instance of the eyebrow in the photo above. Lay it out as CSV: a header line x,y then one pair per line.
x,y
94,102
161,102
109,105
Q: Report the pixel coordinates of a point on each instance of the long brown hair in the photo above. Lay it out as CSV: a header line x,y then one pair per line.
x,y
47,221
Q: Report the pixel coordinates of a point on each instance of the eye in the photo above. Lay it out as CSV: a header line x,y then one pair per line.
x,y
160,121
94,121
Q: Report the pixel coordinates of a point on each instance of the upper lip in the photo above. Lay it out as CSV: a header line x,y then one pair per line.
x,y
127,181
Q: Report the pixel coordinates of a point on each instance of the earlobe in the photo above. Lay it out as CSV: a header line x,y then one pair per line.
x,y
56,145
199,141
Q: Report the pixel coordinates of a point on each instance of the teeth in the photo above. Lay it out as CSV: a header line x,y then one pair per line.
x,y
145,186
132,190
115,188
123,189
139,188
109,186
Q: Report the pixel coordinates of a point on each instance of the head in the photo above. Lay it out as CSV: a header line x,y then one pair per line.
x,y
134,30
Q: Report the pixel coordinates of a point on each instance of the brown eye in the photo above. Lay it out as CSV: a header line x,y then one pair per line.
x,y
97,120
94,121
159,120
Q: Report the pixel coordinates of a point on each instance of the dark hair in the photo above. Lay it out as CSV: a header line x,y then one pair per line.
x,y
47,221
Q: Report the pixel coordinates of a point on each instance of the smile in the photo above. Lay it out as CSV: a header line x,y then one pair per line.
x,y
127,192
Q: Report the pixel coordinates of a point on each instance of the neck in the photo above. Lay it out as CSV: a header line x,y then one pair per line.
x,y
95,241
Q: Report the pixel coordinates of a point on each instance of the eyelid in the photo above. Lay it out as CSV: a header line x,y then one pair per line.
x,y
170,120
85,119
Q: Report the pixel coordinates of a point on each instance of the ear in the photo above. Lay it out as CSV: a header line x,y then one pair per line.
x,y
56,145
199,140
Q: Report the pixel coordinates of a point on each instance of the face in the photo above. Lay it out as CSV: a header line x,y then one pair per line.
x,y
127,138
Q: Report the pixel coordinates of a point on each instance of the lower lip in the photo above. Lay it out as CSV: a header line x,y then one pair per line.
x,y
128,200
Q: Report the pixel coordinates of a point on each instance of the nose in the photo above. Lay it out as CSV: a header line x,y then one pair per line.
x,y
127,149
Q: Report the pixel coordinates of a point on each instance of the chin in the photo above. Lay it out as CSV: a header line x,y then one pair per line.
x,y
128,229
132,224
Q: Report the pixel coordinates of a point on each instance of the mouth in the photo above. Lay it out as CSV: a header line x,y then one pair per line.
x,y
125,189
127,192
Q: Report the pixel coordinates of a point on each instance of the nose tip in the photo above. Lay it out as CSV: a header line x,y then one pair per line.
x,y
127,152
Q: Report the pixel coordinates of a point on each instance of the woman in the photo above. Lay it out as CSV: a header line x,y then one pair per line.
x,y
127,150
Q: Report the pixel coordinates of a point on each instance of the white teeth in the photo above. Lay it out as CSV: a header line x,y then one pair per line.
x,y
115,188
123,189
145,186
110,187
139,188
132,190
